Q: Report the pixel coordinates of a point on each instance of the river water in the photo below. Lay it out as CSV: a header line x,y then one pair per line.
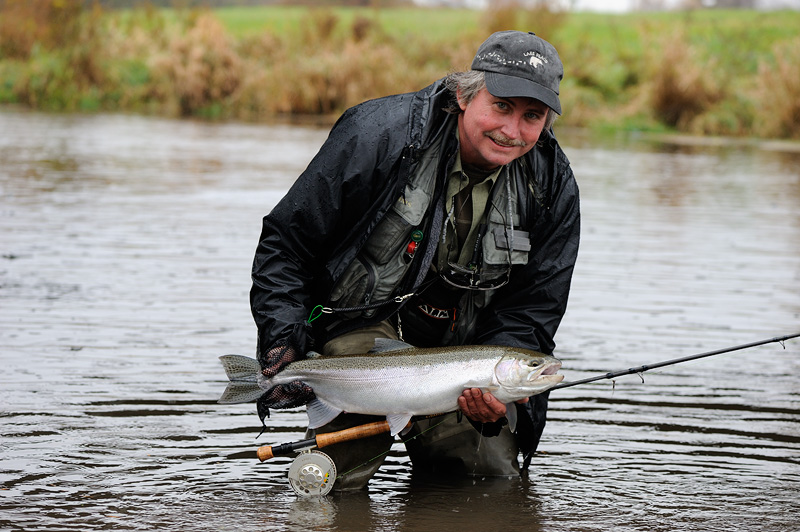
x,y
126,249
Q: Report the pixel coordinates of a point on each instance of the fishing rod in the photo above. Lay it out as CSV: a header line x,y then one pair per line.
x,y
313,472
370,429
647,367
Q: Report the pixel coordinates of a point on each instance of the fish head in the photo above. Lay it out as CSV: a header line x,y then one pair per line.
x,y
520,376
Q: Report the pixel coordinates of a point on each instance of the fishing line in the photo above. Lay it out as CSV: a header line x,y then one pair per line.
x,y
641,369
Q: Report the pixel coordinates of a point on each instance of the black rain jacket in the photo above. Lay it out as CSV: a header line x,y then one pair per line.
x,y
319,227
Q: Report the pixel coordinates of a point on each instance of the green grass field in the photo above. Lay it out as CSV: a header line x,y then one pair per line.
x,y
400,23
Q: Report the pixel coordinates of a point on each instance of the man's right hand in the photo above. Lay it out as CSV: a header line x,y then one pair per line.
x,y
276,359
289,395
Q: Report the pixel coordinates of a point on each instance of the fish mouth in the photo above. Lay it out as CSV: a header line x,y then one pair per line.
x,y
548,373
531,372
551,369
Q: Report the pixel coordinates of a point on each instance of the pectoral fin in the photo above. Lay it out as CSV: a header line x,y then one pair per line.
x,y
511,416
320,413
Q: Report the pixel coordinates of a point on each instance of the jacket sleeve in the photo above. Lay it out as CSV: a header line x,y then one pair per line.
x,y
528,310
321,212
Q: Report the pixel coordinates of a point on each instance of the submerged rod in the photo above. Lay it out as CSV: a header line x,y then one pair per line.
x,y
646,367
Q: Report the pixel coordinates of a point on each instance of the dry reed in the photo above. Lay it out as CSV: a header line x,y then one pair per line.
x,y
682,85
27,23
777,93
199,69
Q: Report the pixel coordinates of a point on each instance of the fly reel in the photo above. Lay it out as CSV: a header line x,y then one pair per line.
x,y
312,474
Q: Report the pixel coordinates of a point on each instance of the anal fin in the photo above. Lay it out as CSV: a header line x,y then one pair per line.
x,y
397,422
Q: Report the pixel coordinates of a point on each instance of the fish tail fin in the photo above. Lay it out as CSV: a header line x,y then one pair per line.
x,y
243,375
239,367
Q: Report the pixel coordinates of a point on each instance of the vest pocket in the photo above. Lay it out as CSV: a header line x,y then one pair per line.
x,y
393,232
496,244
382,263
388,238
356,285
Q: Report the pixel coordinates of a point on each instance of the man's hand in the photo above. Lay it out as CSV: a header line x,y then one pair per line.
x,y
482,407
289,395
276,359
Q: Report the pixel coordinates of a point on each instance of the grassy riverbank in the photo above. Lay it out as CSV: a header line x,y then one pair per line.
x,y
702,72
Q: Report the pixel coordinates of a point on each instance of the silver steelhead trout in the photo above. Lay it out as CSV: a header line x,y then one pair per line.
x,y
399,381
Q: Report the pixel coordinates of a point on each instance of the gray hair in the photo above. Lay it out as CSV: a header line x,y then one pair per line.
x,y
469,84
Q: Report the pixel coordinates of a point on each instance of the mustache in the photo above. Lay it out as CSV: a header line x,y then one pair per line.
x,y
502,139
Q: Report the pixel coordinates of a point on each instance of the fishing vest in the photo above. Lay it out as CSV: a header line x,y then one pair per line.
x,y
389,251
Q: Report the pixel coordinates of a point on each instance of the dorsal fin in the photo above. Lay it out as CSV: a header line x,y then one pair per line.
x,y
384,345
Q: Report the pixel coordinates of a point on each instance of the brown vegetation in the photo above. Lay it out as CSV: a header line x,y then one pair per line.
x,y
681,86
48,23
778,93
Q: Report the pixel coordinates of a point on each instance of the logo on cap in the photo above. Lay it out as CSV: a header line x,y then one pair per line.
x,y
536,59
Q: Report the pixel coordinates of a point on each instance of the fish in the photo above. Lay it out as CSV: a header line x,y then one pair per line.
x,y
399,381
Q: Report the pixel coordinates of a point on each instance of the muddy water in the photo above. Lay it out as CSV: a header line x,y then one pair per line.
x,y
126,247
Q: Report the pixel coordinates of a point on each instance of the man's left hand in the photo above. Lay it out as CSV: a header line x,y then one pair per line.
x,y
481,407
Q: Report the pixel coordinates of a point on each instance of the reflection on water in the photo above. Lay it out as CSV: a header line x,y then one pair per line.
x,y
124,273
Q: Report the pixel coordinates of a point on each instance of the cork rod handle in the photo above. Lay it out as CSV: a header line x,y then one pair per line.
x,y
322,440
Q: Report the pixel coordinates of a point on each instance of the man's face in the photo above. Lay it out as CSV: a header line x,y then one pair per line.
x,y
495,131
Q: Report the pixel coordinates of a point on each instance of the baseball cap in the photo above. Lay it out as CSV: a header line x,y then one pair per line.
x,y
520,64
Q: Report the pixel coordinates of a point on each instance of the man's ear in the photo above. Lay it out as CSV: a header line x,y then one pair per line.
x,y
461,103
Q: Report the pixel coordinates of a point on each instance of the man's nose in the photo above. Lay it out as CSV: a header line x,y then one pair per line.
x,y
511,128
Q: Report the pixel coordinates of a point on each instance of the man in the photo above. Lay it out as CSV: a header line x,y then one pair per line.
x,y
448,216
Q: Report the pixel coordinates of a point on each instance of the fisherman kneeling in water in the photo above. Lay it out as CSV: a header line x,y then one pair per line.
x,y
449,216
